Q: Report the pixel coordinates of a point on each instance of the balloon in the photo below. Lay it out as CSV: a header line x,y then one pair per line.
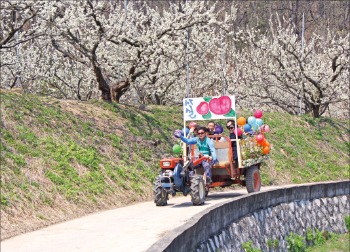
x,y
247,127
264,128
177,149
238,132
218,129
259,138
177,133
255,126
251,120
186,130
266,150
241,121
259,122
267,144
264,142
258,113
192,124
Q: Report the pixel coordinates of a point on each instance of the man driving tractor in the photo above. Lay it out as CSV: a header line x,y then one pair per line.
x,y
206,148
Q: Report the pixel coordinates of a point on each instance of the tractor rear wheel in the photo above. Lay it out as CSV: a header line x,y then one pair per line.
x,y
197,190
160,194
253,180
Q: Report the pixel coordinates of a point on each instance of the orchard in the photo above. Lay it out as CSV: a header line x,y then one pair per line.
x,y
159,52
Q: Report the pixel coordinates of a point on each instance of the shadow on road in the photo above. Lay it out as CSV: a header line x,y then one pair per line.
x,y
185,204
222,196
211,198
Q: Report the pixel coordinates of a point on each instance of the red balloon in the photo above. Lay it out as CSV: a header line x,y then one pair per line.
x,y
238,132
258,113
259,138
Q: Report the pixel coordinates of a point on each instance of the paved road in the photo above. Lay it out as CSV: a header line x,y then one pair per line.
x,y
133,228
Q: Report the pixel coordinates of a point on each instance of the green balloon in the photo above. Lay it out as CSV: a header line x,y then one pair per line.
x,y
177,149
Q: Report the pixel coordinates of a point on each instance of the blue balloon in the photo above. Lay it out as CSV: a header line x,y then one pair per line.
x,y
259,122
247,127
251,120
255,126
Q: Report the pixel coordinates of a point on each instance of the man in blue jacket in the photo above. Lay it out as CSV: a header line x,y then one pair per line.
x,y
206,148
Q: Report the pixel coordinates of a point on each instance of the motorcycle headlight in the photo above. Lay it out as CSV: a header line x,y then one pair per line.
x,y
166,163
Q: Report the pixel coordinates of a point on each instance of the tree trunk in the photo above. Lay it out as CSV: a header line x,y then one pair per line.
x,y
118,89
316,111
102,84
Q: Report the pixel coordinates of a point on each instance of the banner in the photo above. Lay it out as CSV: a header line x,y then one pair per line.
x,y
209,108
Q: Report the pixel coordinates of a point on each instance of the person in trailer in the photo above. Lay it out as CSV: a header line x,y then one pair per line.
x,y
211,128
230,125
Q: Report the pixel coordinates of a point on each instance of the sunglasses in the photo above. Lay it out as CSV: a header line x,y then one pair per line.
x,y
200,133
230,127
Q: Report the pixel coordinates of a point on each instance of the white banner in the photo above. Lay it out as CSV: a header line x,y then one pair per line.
x,y
209,108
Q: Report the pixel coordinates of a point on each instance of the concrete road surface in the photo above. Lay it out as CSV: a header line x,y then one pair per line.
x,y
132,228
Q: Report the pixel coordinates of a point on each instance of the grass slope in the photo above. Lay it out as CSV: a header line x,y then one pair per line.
x,y
62,159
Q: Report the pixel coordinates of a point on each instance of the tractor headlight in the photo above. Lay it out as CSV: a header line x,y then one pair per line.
x,y
170,173
165,163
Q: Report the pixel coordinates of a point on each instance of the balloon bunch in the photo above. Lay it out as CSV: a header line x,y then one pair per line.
x,y
255,128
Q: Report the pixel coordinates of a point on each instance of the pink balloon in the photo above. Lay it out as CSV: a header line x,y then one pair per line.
x,y
192,124
264,128
238,132
258,113
259,138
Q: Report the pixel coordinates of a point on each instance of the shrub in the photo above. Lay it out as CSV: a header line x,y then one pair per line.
x,y
295,243
248,247
347,222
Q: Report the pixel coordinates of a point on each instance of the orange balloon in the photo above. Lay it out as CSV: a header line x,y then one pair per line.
x,y
241,121
266,150
267,144
264,142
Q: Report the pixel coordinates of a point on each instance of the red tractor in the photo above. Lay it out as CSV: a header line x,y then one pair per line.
x,y
186,175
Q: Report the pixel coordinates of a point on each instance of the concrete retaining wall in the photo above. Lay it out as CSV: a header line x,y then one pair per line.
x,y
226,226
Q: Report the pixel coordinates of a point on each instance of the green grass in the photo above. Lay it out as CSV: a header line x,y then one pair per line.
x,y
337,243
63,142
318,241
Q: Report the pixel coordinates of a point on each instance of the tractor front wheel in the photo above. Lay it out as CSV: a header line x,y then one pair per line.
x,y
253,180
197,190
160,194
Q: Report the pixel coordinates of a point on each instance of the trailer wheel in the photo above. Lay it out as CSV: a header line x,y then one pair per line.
x,y
253,180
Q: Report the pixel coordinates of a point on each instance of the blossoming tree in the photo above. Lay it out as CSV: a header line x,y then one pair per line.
x,y
277,71
89,48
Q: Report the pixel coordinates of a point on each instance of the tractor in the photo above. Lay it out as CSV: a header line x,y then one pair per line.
x,y
184,174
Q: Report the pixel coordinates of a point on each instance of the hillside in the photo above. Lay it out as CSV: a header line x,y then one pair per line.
x,y
61,159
